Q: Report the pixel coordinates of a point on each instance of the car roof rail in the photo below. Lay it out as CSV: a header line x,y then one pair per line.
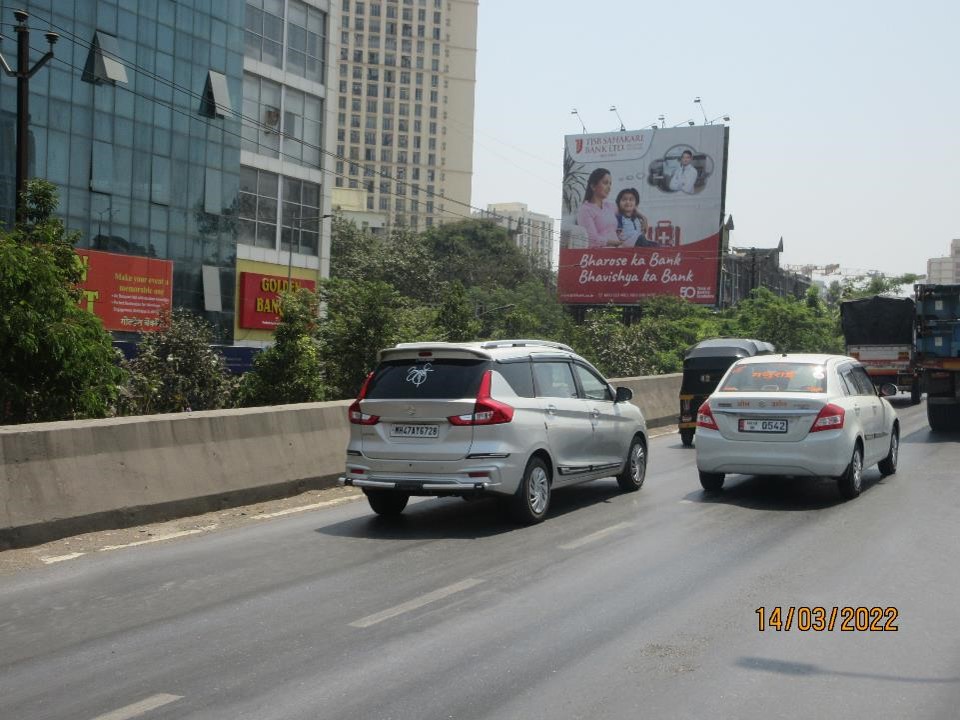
x,y
526,343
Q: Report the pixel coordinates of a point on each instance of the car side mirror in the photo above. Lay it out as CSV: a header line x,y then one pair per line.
x,y
623,394
888,389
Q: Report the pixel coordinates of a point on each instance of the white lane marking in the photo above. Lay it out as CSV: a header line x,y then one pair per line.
x,y
304,508
50,559
158,538
139,708
594,536
416,603
690,502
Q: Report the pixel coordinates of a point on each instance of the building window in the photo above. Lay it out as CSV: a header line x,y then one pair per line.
x,y
257,222
103,61
301,220
216,97
264,33
306,40
261,111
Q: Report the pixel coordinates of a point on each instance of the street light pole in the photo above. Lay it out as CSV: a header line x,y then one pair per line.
x,y
23,73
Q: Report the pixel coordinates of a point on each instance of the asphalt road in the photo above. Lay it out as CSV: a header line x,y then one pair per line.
x,y
618,606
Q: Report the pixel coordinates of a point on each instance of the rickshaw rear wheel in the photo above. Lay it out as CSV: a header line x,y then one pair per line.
x,y
686,436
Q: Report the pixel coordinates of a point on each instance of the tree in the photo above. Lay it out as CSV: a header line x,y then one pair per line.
x,y
362,318
176,369
456,321
790,324
480,253
57,363
291,370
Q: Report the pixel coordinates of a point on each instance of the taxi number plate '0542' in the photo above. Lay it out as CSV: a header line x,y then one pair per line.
x,y
415,431
763,426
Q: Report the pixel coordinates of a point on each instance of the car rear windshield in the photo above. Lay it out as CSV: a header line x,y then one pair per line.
x,y
776,377
436,379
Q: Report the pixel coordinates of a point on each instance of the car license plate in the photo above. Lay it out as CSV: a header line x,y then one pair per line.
x,y
415,431
763,426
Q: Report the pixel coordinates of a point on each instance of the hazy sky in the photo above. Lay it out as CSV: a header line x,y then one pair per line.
x,y
845,115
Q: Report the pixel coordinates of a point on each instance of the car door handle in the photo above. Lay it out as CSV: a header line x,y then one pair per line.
x,y
595,413
552,409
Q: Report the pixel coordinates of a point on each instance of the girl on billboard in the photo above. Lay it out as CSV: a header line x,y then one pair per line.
x,y
631,225
598,215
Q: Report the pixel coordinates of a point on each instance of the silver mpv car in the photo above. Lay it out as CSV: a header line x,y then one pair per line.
x,y
509,418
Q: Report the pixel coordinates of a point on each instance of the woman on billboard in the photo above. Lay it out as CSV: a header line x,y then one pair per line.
x,y
598,215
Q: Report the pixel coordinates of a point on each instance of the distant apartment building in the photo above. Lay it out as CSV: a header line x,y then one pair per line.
x,y
945,270
532,231
406,75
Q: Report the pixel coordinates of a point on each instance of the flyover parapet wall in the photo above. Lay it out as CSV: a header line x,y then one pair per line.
x,y
63,478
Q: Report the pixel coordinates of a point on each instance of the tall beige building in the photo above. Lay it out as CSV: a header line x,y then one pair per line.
x,y
945,270
406,76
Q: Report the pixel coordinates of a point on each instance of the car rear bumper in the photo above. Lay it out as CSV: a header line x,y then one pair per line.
x,y
825,456
465,477
422,486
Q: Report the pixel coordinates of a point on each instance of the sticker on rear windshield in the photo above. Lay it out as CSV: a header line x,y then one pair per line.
x,y
418,375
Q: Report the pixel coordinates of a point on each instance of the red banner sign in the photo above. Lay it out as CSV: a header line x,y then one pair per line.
x,y
127,292
622,275
260,299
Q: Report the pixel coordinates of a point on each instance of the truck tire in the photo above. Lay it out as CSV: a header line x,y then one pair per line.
x,y
915,392
941,418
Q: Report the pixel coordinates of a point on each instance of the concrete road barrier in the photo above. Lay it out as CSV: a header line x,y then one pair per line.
x,y
63,478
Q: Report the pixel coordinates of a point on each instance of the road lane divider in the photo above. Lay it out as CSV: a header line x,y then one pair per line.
x,y
139,708
416,603
593,537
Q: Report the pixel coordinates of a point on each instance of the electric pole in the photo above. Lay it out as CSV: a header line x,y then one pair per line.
x,y
23,73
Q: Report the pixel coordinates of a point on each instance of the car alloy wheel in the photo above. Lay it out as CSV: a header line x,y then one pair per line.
x,y
888,466
851,482
635,469
538,490
532,500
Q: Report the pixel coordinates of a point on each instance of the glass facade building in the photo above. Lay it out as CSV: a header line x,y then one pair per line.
x,y
183,130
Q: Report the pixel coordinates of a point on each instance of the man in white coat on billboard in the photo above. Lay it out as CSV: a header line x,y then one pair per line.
x,y
685,176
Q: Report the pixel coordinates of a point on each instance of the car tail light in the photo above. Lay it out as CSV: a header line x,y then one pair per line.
x,y
356,415
486,410
829,418
705,417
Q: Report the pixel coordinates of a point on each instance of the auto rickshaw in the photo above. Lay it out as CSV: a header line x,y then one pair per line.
x,y
703,366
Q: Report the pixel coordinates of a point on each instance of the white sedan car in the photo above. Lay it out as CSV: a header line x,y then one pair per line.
x,y
803,415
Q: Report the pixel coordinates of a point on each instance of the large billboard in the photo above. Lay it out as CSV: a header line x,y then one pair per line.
x,y
642,212
127,292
